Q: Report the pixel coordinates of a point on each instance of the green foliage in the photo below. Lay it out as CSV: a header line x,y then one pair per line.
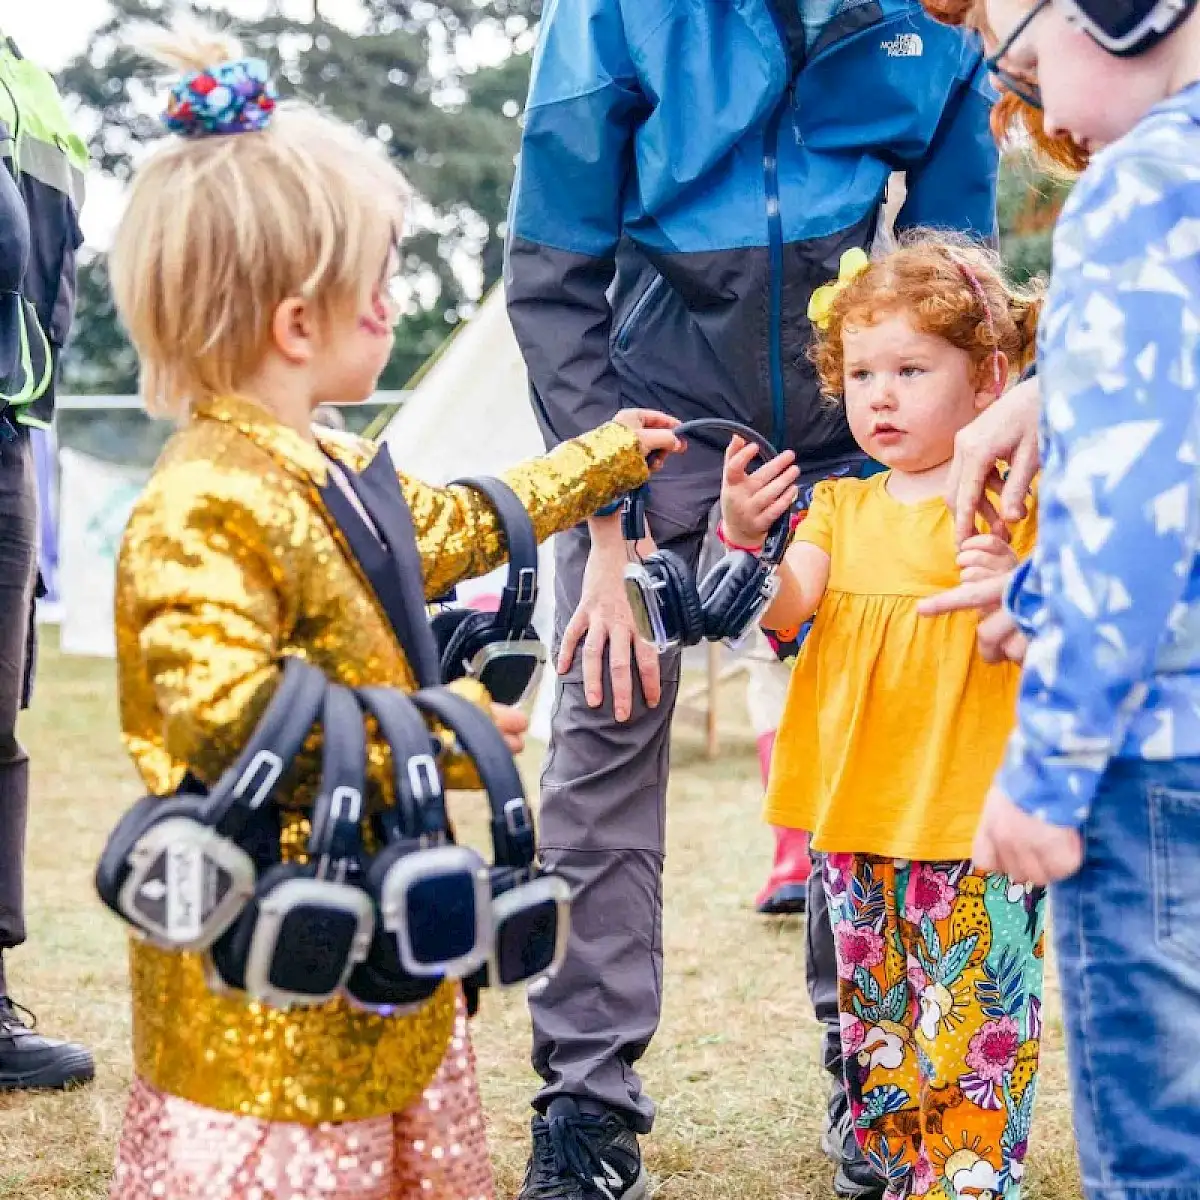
x,y
397,73
1029,202
100,361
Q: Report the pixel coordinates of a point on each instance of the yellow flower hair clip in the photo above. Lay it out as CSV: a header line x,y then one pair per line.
x,y
820,305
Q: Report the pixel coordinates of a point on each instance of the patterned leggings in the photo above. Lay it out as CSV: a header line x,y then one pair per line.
x,y
940,983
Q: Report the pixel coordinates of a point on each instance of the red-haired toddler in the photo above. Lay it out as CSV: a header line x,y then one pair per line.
x,y
894,725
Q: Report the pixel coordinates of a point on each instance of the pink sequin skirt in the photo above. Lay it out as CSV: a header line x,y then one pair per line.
x,y
172,1149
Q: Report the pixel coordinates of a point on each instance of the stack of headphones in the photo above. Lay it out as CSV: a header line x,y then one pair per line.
x,y
202,872
669,608
502,649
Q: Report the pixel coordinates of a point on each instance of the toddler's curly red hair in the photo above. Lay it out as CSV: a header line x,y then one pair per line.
x,y
939,281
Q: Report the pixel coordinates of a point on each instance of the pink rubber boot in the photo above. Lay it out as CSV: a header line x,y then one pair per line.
x,y
786,889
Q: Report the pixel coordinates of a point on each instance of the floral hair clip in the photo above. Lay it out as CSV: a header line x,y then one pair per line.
x,y
235,97
820,305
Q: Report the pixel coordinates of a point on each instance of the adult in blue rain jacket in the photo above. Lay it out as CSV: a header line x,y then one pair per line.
x,y
689,173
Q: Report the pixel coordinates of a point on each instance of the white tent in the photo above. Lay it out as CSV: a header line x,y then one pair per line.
x,y
470,415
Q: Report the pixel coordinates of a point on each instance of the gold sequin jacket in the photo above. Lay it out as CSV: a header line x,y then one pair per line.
x,y
229,561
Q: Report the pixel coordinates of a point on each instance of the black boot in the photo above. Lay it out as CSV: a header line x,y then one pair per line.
x,y
28,1060
581,1156
855,1178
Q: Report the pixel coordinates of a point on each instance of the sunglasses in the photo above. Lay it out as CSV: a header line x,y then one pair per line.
x,y
1023,88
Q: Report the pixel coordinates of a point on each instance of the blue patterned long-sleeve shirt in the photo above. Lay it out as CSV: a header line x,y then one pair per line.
x,y
1110,599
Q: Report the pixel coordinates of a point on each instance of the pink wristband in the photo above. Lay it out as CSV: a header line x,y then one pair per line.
x,y
733,545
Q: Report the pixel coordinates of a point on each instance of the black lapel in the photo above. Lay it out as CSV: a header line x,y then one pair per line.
x,y
394,568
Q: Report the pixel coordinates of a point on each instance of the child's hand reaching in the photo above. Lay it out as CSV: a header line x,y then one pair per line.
x,y
653,430
984,556
752,502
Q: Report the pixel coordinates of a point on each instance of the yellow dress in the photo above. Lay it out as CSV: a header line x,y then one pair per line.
x,y
894,725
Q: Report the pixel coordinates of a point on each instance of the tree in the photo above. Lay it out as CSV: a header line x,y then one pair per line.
x,y
1029,202
100,360
401,76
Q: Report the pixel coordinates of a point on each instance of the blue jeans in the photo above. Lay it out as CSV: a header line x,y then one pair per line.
x,y
1127,931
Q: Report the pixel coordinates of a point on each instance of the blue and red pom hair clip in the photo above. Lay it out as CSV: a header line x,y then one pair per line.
x,y
235,97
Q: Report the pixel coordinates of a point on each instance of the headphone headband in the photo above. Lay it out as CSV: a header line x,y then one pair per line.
x,y
336,835
420,799
633,510
276,740
519,596
512,822
745,432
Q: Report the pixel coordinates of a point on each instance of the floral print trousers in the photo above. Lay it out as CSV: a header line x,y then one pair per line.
x,y
939,989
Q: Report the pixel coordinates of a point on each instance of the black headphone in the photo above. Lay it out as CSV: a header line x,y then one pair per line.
x,y
668,608
308,925
433,903
1126,28
530,908
180,869
500,649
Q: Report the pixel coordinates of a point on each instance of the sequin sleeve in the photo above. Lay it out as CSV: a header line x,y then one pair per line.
x,y
457,531
205,593
203,607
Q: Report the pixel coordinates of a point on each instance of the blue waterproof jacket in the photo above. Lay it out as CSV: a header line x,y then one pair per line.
x,y
690,173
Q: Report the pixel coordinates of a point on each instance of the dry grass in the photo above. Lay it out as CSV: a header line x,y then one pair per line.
x,y
734,1068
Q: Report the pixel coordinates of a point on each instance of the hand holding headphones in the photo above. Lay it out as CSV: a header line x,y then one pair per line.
x,y
669,608
754,494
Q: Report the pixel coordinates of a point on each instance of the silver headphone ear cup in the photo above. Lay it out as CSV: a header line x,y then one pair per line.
x,y
680,594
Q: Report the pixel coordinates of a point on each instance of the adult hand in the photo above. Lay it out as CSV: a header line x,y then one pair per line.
x,y
1006,429
986,555
513,723
604,619
751,502
653,429
998,634
1025,848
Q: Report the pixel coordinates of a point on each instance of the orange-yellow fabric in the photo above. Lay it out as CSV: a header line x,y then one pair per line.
x,y
894,725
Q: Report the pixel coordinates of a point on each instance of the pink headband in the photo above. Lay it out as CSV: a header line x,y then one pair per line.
x,y
977,288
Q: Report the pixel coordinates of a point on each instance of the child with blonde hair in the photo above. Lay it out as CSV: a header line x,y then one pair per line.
x,y
894,725
255,268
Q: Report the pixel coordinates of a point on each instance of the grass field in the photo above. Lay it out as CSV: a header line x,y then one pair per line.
x,y
734,1068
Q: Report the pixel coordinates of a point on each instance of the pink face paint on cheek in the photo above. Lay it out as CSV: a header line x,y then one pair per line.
x,y
377,324
374,327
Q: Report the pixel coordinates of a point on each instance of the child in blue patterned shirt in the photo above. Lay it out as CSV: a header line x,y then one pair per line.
x,y
1100,789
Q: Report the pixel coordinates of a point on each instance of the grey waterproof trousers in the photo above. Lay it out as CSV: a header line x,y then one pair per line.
x,y
603,819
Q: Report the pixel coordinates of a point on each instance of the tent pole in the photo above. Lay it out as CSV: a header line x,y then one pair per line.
x,y
714,691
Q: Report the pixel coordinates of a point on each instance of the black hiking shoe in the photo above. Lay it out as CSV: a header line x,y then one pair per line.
x,y
577,1156
28,1060
789,899
855,1178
